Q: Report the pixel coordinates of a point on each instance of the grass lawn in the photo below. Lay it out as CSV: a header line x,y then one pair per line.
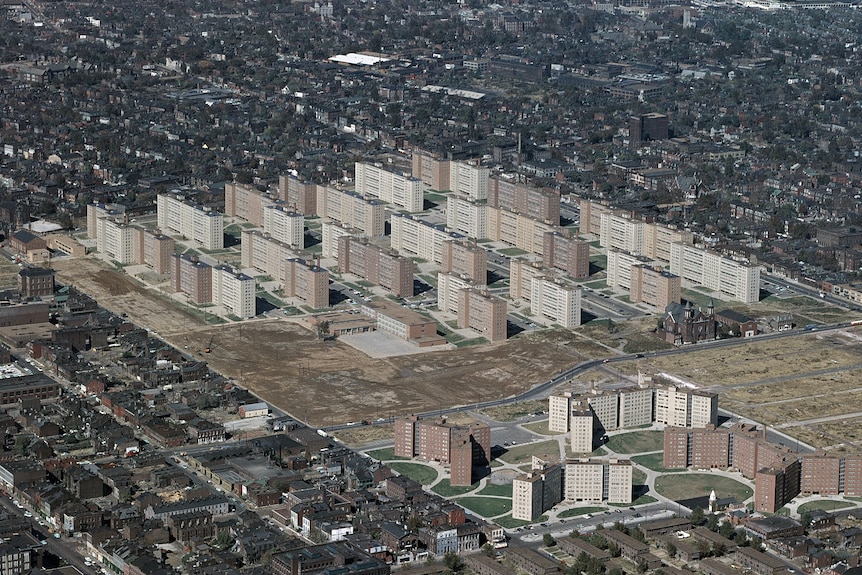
x,y
637,442
540,427
446,489
825,505
524,453
690,485
597,452
416,471
512,252
385,454
576,511
508,523
638,477
654,461
485,506
494,489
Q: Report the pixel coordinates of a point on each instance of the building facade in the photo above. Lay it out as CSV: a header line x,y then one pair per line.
x,y
535,203
467,216
482,312
598,480
566,253
461,257
391,187
264,253
420,238
234,291
555,302
376,265
195,222
737,280
307,281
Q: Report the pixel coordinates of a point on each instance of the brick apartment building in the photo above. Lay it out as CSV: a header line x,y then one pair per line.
x,y
307,281
462,447
403,323
654,286
35,282
567,253
465,258
482,312
376,265
192,277
154,249
535,203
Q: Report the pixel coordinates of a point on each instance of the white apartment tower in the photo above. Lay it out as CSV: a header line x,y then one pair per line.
x,y
234,291
466,216
391,187
284,225
555,302
739,280
469,179
191,220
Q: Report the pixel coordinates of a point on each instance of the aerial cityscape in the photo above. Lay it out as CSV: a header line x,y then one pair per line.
x,y
370,287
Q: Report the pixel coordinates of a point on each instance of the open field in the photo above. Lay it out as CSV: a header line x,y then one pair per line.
x,y
286,365
824,505
445,489
690,485
576,511
419,473
524,453
636,442
485,506
364,434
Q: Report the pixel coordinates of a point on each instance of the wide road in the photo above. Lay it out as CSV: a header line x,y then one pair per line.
x,y
544,389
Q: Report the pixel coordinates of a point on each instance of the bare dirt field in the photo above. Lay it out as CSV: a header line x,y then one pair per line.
x,y
328,383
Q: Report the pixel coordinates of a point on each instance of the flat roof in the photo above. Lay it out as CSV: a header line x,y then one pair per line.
x,y
358,59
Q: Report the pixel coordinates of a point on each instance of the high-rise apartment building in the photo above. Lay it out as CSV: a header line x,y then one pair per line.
x,y
437,440
538,490
554,301
776,485
247,202
448,287
376,265
116,240
284,225
521,275
264,253
469,179
598,480
414,236
195,222
685,407
192,277
153,249
391,187
234,291
298,195
96,210
581,423
535,203
466,258
482,312
566,253
433,171
352,210
654,287
738,280
329,234
467,216
307,281
518,229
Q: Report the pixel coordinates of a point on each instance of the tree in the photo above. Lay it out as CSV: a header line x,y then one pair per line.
x,y
712,522
453,562
726,529
488,549
322,329
549,540
642,565
697,516
671,550
757,543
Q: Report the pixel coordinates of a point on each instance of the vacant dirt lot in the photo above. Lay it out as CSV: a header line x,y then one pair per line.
x,y
328,382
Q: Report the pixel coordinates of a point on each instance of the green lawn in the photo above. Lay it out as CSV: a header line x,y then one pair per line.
x,y
597,452
524,453
637,442
653,461
499,490
825,505
512,252
638,477
577,511
690,485
385,454
485,506
415,471
446,489
508,523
